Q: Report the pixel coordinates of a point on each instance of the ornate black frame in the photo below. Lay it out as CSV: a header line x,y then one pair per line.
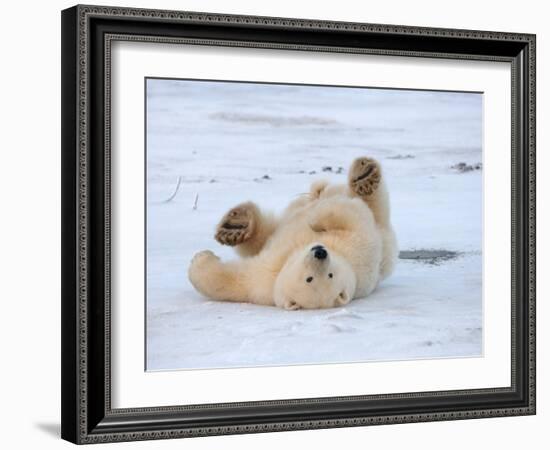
x,y
87,32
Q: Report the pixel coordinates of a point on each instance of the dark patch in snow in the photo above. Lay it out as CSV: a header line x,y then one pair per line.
x,y
333,170
462,167
265,177
312,172
429,256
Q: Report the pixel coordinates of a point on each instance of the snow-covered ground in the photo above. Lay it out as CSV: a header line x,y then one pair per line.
x,y
231,142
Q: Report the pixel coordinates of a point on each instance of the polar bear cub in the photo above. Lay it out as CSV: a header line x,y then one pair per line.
x,y
328,247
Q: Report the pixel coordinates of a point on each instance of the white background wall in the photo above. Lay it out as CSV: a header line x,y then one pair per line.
x,y
30,225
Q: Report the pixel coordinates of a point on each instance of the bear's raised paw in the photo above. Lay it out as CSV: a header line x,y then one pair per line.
x,y
237,226
364,176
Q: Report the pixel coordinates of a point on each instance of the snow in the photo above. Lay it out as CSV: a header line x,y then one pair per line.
x,y
222,139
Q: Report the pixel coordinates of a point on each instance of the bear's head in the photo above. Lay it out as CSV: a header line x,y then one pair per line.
x,y
314,278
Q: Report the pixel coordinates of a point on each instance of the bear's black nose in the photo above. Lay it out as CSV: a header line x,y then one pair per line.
x,y
319,252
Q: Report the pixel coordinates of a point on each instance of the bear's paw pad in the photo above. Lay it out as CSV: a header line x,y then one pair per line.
x,y
236,226
365,176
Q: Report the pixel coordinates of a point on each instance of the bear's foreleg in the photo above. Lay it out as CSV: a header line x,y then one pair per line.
x,y
215,279
246,280
246,228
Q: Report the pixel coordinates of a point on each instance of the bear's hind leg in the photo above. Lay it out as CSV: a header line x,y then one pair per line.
x,y
365,180
246,228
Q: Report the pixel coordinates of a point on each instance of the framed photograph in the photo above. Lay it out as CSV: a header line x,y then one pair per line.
x,y
278,224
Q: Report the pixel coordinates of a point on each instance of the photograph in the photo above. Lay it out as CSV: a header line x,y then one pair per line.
x,y
274,223
293,224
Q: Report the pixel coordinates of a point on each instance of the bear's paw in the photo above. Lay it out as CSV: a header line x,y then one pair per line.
x,y
364,176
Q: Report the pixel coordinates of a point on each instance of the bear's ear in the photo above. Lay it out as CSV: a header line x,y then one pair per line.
x,y
343,298
291,305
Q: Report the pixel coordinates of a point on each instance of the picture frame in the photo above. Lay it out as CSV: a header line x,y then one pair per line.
x,y
87,365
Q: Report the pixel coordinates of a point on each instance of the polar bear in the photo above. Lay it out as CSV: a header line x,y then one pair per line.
x,y
328,247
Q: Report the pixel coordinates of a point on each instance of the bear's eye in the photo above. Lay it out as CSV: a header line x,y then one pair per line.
x,y
309,279
330,275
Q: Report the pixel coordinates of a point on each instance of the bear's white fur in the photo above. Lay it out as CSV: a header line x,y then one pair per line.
x,y
330,246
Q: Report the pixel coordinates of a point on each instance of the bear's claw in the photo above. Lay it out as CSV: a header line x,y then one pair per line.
x,y
236,226
364,176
